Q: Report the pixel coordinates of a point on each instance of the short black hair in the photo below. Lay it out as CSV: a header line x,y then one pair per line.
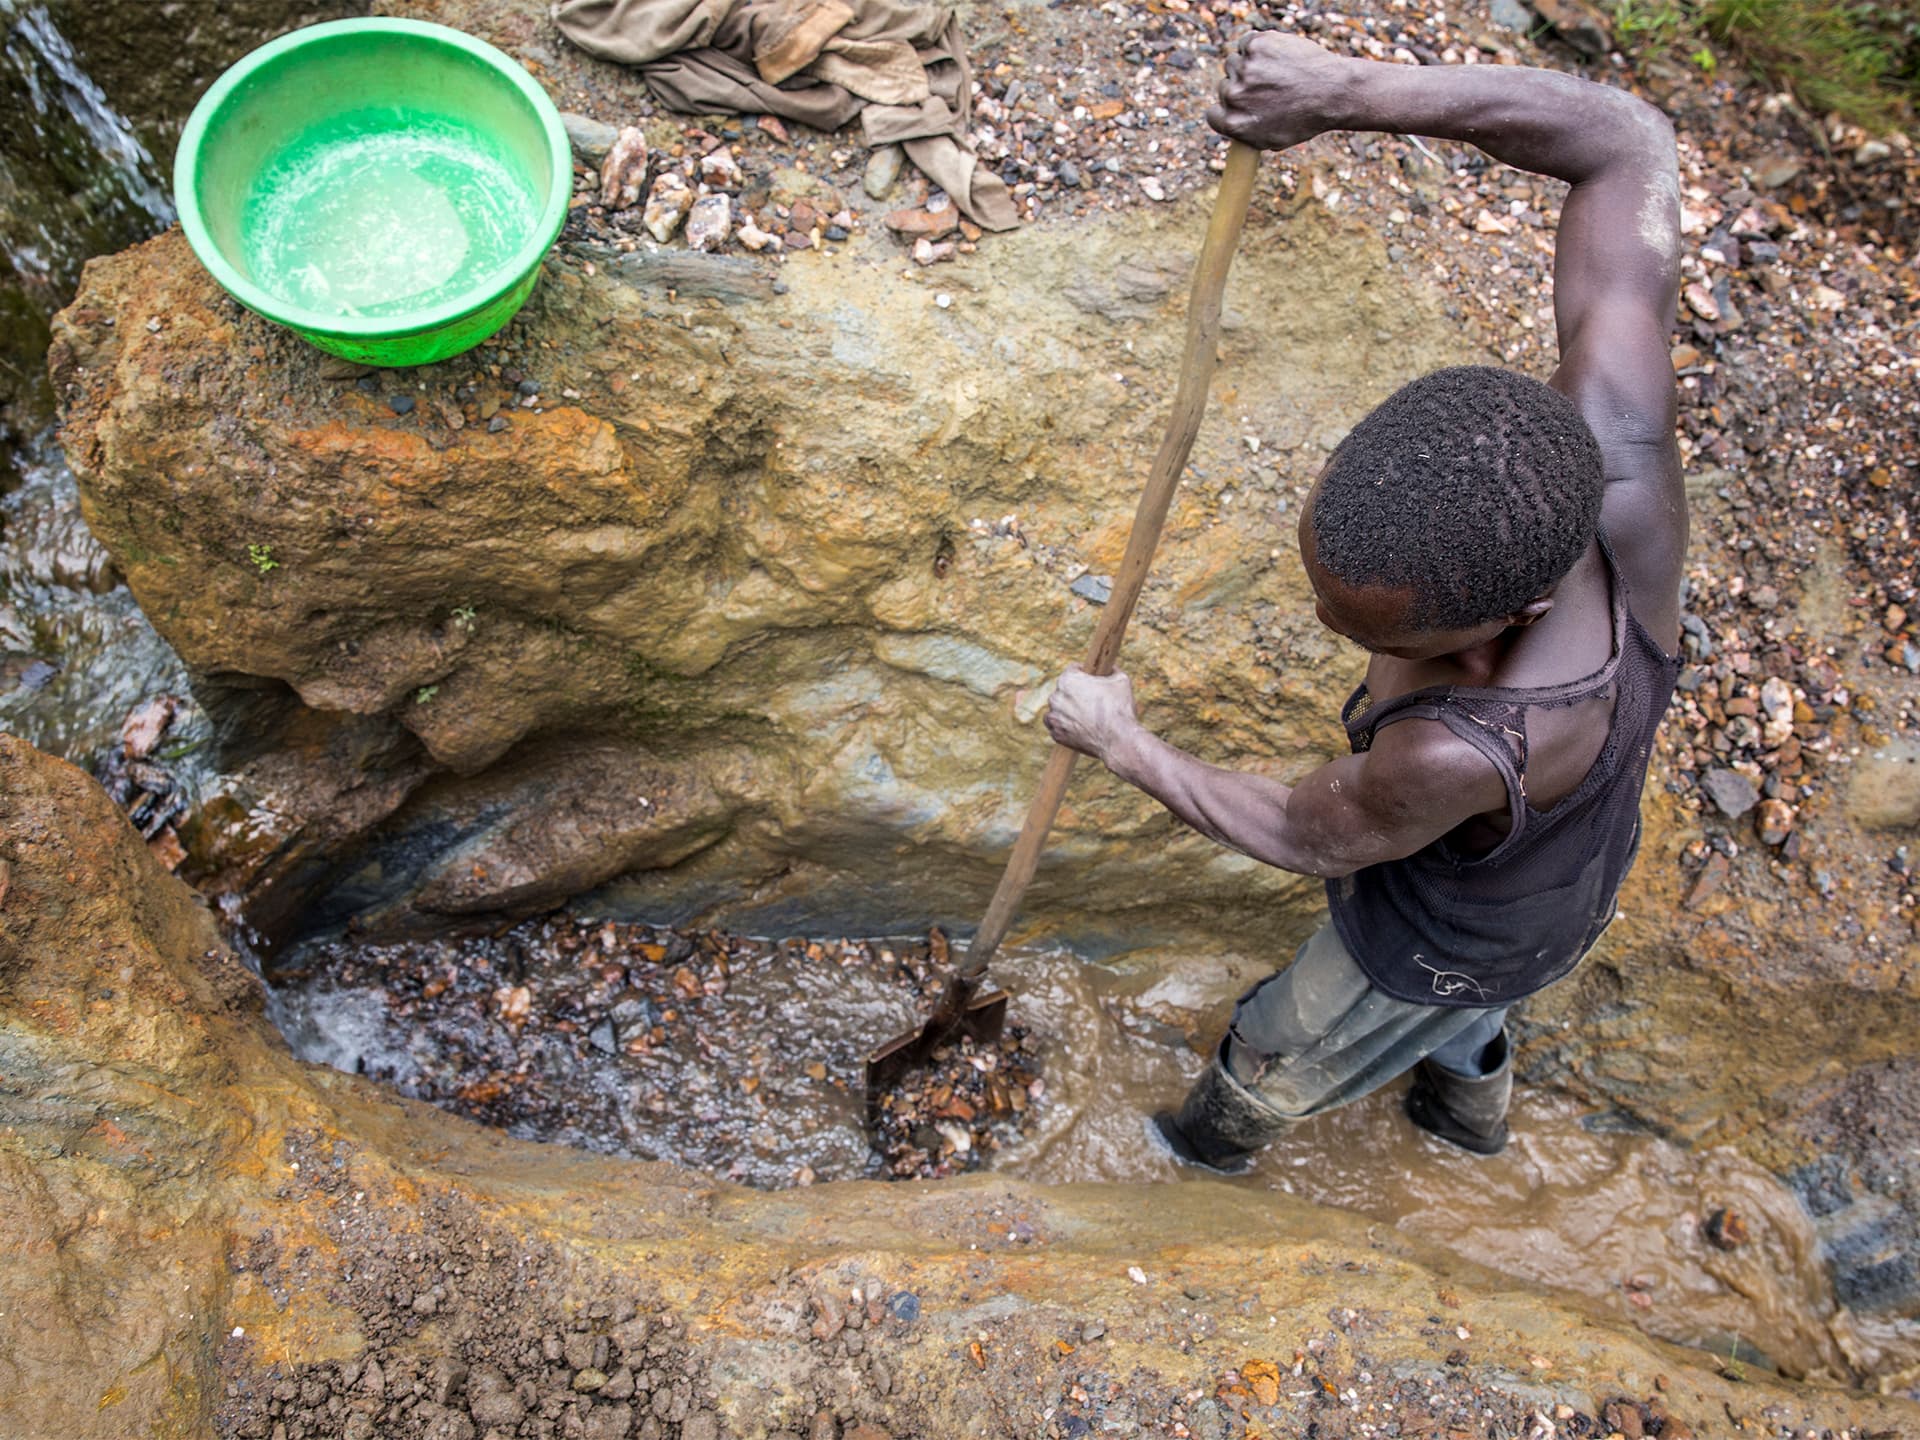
x,y
1474,487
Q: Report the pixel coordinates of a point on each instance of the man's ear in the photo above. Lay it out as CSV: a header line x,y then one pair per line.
x,y
1531,611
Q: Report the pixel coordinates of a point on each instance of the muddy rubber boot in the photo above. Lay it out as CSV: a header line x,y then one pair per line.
x,y
1220,1124
1466,1110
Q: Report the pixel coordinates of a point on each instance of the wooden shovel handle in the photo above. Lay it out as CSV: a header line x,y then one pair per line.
x,y
1189,405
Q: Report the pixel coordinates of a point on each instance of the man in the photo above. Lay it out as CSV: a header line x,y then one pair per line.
x,y
1509,555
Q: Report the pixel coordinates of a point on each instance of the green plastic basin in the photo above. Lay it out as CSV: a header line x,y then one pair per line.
x,y
383,188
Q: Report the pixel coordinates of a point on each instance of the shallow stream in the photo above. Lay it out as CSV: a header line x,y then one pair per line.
x,y
757,1076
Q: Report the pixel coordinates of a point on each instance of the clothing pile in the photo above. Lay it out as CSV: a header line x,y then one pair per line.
x,y
895,64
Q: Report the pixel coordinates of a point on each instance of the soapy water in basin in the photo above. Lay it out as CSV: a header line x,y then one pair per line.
x,y
384,222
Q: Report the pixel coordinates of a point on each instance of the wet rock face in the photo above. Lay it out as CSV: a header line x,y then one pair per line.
x,y
205,1237
94,96
762,586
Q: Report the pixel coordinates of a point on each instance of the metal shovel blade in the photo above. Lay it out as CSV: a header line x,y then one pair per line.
x,y
962,1010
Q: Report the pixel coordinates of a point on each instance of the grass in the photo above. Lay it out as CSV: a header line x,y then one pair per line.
x,y
1857,58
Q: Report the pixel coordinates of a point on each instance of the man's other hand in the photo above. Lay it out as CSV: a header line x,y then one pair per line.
x,y
1091,713
1279,90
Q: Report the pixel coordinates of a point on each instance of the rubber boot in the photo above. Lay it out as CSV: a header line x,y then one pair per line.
x,y
1220,1124
1466,1110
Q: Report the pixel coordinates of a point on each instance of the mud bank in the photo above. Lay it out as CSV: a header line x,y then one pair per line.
x,y
209,1236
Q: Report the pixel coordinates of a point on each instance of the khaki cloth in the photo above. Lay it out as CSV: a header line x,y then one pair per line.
x,y
897,65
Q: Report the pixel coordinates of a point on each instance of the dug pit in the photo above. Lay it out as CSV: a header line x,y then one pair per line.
x,y
745,1058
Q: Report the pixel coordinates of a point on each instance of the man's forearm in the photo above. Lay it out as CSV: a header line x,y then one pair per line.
x,y
1244,811
1537,120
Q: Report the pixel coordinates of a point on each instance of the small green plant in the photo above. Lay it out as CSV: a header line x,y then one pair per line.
x,y
463,616
424,695
1648,25
262,558
1859,58
1733,1369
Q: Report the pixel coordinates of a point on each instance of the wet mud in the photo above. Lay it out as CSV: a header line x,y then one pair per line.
x,y
744,1058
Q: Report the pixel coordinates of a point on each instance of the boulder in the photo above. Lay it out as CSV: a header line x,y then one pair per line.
x,y
789,568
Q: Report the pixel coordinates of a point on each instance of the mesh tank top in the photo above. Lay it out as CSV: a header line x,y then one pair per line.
x,y
1446,928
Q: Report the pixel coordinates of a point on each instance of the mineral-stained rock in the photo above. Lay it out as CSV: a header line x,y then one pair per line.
x,y
719,169
624,171
709,223
920,224
667,205
694,628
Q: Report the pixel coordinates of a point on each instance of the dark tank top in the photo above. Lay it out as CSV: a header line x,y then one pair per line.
x,y
1442,927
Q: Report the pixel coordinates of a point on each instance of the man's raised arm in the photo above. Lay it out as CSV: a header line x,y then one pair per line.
x,y
1616,266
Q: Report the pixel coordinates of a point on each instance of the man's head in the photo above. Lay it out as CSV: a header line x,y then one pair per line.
x,y
1451,512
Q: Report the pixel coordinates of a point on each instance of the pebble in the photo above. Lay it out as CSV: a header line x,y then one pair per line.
x,y
400,404
667,205
1096,589
497,424
1774,822
904,1306
1729,790
590,138
882,171
719,168
710,222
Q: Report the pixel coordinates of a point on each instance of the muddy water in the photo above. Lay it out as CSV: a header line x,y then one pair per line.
x,y
756,1076
1575,1204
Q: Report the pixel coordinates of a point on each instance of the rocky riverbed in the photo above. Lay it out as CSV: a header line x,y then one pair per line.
x,y
740,1057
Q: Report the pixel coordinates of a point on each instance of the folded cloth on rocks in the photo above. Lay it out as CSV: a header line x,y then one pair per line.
x,y
896,64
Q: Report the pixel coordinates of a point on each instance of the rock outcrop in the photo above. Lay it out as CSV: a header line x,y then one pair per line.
x,y
763,581
205,1237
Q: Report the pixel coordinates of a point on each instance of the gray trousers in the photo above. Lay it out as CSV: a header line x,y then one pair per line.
x,y
1317,1035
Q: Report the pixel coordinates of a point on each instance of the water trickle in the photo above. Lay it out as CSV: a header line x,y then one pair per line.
x,y
76,653
76,131
764,1088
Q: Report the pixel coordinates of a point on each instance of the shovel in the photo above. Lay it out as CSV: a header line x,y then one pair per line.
x,y
962,1007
